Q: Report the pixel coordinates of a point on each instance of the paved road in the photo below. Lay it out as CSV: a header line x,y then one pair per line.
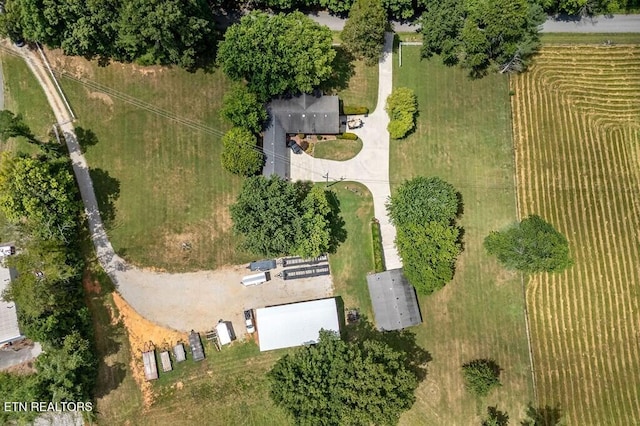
x,y
598,24
371,166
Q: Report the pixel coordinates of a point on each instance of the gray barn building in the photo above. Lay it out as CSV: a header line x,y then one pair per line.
x,y
394,300
306,114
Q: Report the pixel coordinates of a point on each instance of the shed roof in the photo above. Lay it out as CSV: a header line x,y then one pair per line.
x,y
196,346
150,366
9,330
394,300
295,324
178,351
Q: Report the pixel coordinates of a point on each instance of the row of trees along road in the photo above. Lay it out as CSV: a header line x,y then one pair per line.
x,y
149,32
39,199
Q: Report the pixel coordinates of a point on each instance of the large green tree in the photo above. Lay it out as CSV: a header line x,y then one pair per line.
x,y
243,109
423,211
277,217
320,224
68,372
531,246
240,155
363,33
41,192
481,376
339,383
165,31
146,31
428,251
482,35
423,199
277,54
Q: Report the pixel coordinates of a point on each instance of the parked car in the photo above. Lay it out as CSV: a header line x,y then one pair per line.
x,y
248,320
297,149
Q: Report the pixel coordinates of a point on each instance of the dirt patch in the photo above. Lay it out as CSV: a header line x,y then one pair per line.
x,y
90,284
103,97
140,333
22,369
74,65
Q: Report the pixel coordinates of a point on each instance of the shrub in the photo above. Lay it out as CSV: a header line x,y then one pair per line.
x,y
348,136
481,376
239,153
355,110
243,109
402,106
378,254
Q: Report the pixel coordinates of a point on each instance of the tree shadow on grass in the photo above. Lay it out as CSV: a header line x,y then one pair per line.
x,y
336,223
416,357
542,416
343,70
86,138
107,190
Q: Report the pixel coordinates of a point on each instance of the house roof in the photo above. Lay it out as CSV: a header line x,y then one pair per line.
x,y
295,324
394,300
9,330
300,114
276,153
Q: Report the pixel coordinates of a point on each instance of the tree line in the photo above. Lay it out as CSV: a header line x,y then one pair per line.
x,y
39,199
148,32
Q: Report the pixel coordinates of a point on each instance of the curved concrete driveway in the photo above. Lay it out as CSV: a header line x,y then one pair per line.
x,y
371,166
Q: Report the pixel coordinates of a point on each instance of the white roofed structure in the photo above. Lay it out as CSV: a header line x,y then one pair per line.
x,y
295,324
9,330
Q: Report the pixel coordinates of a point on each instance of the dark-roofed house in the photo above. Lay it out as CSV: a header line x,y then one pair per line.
x,y
395,304
308,114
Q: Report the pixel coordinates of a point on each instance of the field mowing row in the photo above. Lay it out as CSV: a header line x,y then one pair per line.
x,y
577,130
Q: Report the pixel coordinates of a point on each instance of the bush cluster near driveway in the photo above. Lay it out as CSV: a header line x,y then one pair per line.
x,y
402,107
463,135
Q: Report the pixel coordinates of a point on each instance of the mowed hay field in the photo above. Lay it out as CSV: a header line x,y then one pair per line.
x,y
577,129
463,135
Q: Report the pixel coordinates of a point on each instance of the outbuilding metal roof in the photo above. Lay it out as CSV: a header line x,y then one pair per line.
x,y
9,330
394,300
295,324
196,346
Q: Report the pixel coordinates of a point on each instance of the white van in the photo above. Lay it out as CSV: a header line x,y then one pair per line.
x,y
256,279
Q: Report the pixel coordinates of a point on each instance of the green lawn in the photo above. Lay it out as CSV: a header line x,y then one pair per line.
x,y
463,135
362,87
23,95
354,258
337,149
162,175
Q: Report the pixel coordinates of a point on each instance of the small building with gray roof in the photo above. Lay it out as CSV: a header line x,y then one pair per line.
x,y
394,300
